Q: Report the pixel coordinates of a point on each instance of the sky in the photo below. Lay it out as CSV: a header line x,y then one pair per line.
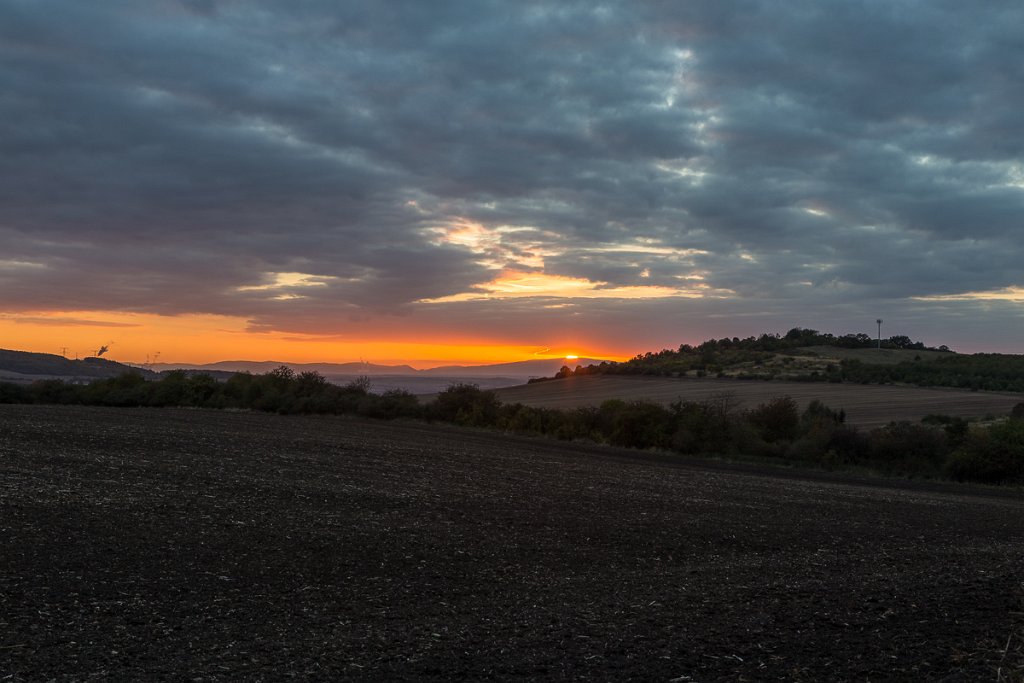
x,y
481,181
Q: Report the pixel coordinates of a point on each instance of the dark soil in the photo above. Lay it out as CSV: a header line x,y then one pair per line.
x,y
199,545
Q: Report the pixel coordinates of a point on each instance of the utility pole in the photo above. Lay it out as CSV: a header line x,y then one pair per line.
x,y
879,321
64,351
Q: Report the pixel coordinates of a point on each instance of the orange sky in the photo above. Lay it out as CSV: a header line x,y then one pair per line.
x,y
138,338
299,199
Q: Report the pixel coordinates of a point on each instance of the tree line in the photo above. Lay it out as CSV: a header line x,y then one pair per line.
x,y
777,430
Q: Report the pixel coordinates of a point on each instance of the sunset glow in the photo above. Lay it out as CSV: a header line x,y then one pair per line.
x,y
342,181
1014,294
138,339
515,284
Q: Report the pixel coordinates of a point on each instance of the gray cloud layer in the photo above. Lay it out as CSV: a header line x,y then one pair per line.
x,y
824,161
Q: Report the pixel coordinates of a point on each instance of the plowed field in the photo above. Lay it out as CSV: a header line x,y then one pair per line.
x,y
866,406
143,544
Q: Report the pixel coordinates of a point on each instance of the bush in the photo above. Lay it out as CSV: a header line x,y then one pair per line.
x,y
362,384
908,449
529,420
708,426
635,424
817,414
55,391
14,393
847,445
465,404
171,390
201,390
236,389
776,420
391,404
990,456
126,390
268,399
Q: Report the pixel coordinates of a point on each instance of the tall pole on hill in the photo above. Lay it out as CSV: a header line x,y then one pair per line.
x,y
879,321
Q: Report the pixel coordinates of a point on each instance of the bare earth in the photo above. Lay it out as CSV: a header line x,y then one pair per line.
x,y
866,406
145,544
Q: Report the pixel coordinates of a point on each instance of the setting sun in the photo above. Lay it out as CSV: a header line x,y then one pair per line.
x,y
140,338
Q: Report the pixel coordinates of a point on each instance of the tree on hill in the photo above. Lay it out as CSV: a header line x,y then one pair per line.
x,y
749,358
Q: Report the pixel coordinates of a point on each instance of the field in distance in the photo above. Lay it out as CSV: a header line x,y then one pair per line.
x,y
866,406
872,356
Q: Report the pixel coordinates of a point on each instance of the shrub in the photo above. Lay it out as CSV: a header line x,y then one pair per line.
x,y
776,420
268,399
848,445
810,446
635,424
817,413
280,377
908,449
391,404
707,426
465,404
582,423
126,390
529,420
171,390
201,390
362,383
991,456
237,388
54,391
310,383
400,403
14,393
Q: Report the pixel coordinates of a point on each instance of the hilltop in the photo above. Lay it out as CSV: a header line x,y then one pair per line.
x,y
805,355
26,366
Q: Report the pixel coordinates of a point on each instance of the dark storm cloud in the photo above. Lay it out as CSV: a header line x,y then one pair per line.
x,y
177,157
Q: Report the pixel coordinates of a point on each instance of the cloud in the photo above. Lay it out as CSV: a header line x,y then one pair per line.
x,y
183,157
512,284
62,321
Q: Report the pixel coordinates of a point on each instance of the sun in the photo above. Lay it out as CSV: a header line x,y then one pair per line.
x,y
572,356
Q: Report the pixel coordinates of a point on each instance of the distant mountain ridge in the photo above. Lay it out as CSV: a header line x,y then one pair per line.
x,y
540,367
526,368
264,366
27,366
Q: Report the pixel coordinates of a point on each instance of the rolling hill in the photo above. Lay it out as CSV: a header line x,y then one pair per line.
x,y
23,367
26,366
520,369
260,367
